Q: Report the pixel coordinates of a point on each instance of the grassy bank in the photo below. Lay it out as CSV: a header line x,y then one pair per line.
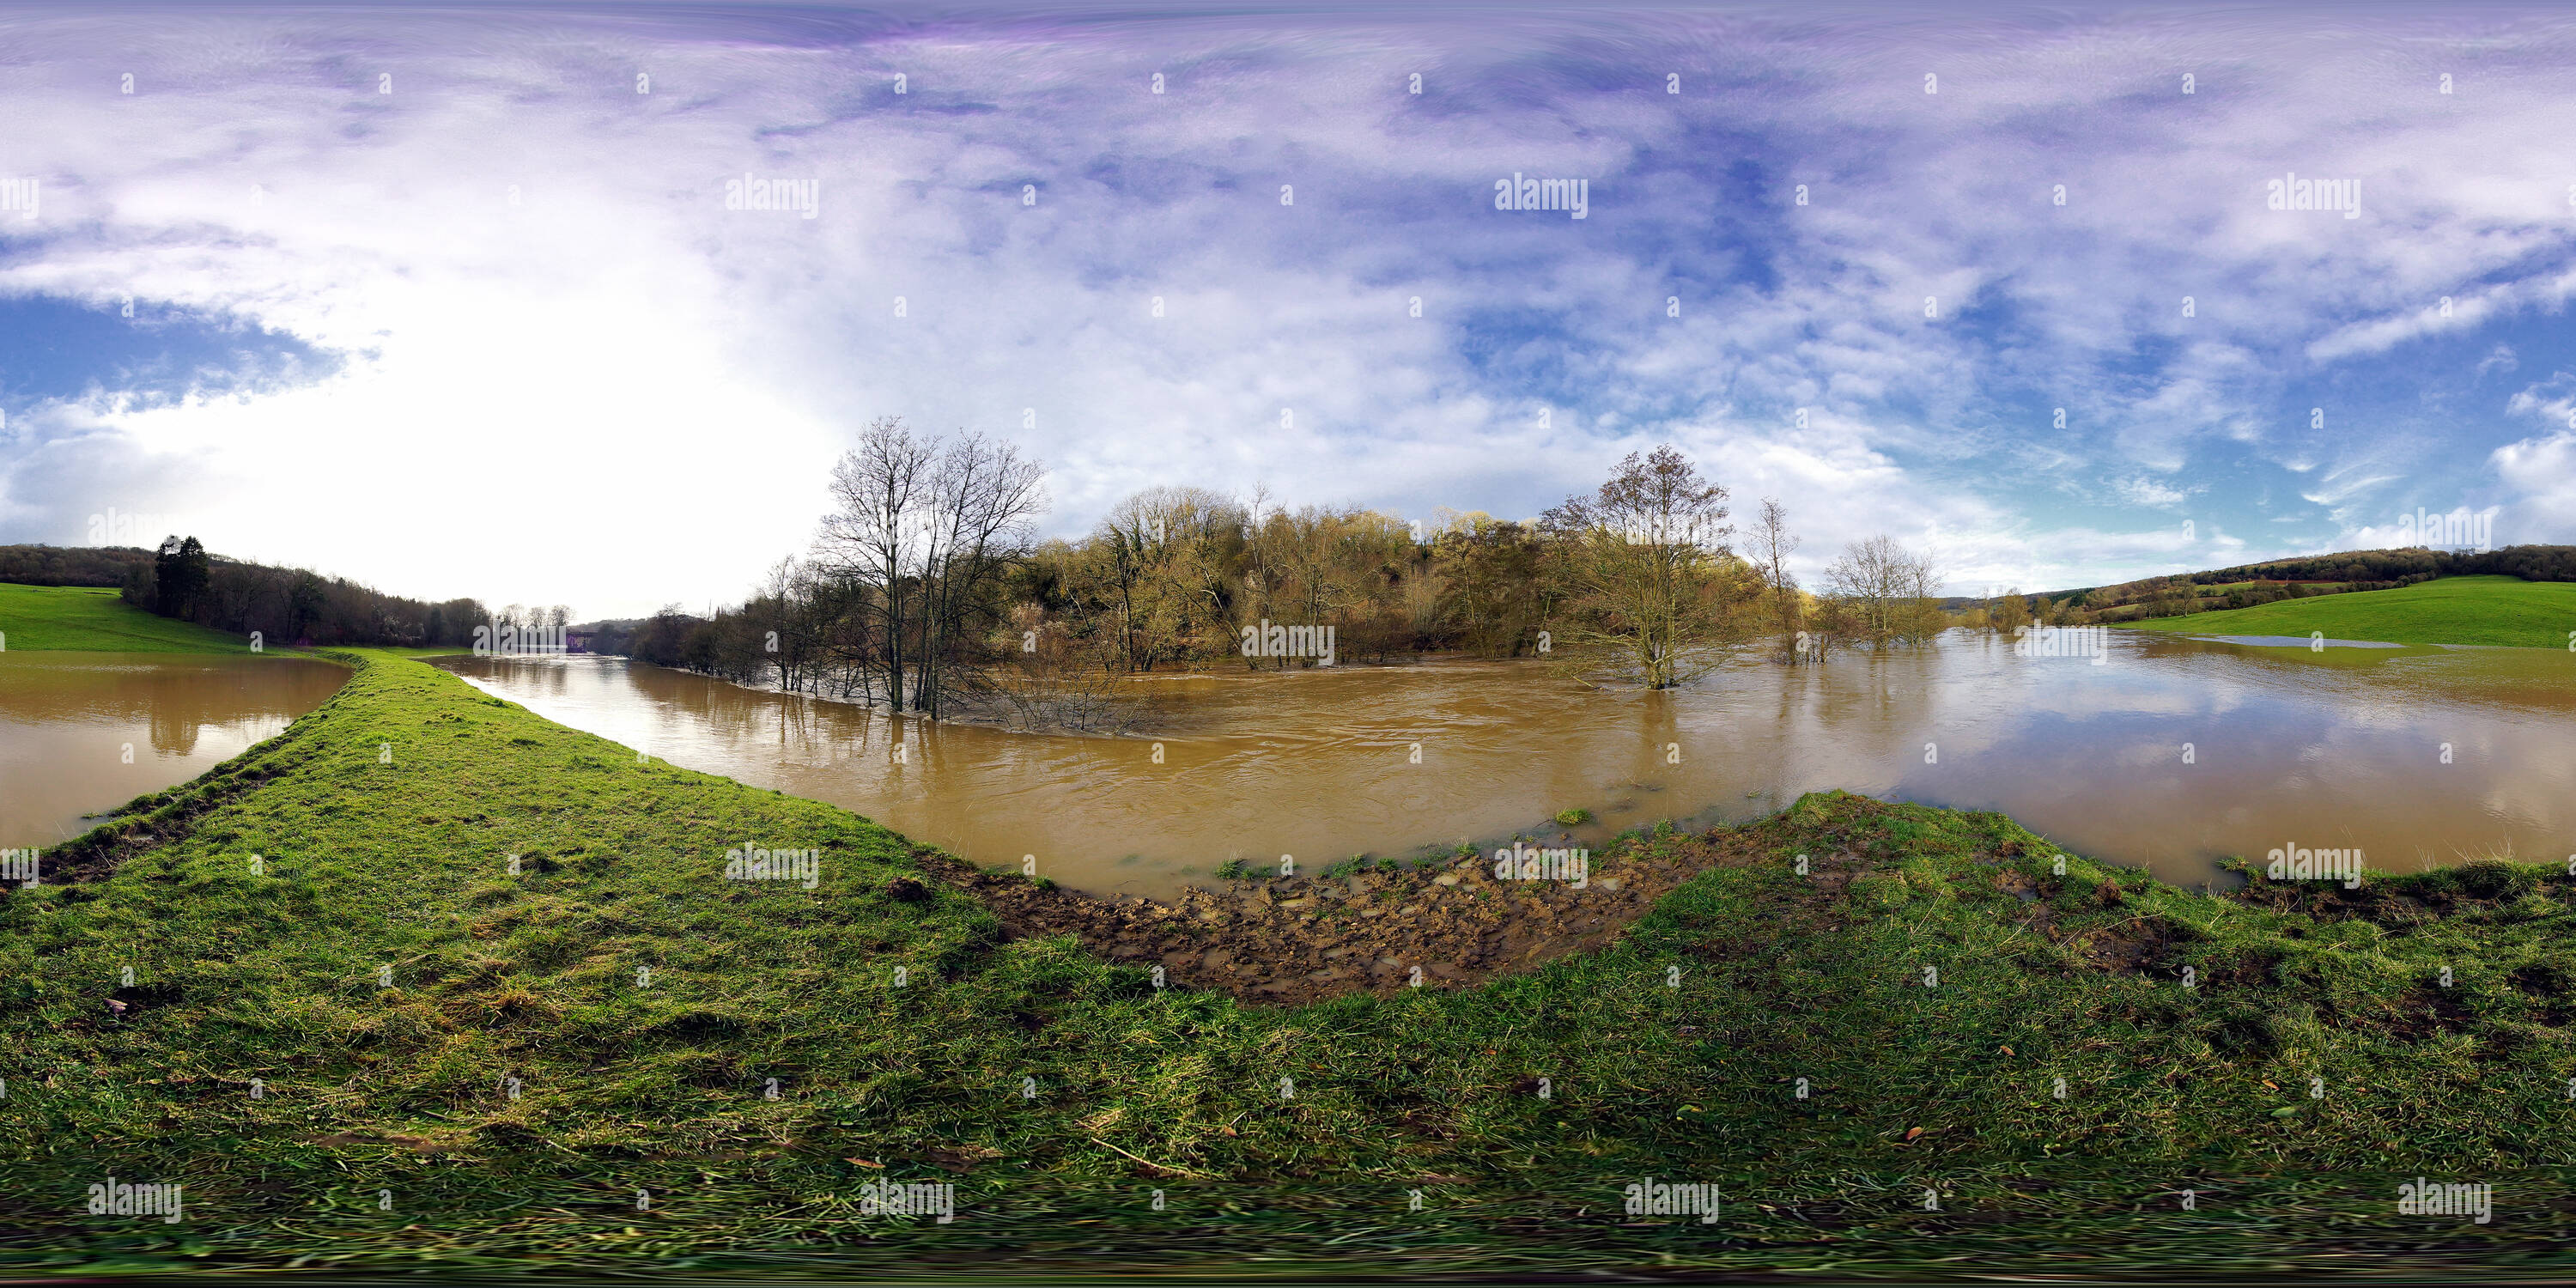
x,y
48,618
2505,611
608,1020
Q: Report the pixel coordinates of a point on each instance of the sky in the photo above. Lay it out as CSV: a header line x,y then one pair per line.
x,y
452,300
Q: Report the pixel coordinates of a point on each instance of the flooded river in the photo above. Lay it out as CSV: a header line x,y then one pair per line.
x,y
2172,753
83,732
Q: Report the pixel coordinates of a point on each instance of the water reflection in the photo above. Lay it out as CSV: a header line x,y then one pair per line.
x,y
68,721
2175,752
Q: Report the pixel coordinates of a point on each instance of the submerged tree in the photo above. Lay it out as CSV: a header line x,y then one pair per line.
x,y
1771,543
1650,587
917,541
871,539
1887,591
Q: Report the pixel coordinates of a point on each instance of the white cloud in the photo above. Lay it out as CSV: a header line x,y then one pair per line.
x,y
2149,492
2553,399
2542,472
615,392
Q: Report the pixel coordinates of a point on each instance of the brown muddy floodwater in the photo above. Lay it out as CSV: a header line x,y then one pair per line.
x,y
2415,756
84,732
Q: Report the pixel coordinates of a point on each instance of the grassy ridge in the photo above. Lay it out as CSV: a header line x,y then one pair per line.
x,y
1057,1093
50,618
2502,611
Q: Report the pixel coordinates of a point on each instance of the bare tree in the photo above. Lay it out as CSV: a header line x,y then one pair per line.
x,y
982,498
1650,584
1060,681
873,537
1889,591
919,533
1771,542
1156,567
1260,572
1919,618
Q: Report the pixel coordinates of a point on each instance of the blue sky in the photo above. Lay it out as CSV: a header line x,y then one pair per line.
x,y
440,300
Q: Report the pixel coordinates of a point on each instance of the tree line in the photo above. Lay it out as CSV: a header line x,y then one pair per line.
x,y
287,606
2249,585
924,590
300,607
2406,567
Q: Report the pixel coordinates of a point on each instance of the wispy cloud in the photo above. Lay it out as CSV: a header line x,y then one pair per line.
x,y
1284,267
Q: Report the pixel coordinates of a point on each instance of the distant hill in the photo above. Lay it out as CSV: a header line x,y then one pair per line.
x,y
111,566
285,605
2530,563
40,618
2308,576
611,634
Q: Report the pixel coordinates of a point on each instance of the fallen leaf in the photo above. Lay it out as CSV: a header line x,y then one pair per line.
x,y
2008,1050
865,1163
1910,1134
2273,1085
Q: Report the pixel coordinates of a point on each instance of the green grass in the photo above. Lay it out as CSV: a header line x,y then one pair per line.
x,y
47,618
2503,611
1059,1093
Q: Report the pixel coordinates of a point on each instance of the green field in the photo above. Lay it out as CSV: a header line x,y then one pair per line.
x,y
46,618
2505,611
1088,1119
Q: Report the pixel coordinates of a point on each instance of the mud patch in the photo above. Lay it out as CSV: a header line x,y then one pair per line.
x,y
2423,1013
1303,939
2130,948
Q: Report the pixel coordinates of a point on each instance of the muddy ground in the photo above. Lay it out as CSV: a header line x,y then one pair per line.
x,y
1300,939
